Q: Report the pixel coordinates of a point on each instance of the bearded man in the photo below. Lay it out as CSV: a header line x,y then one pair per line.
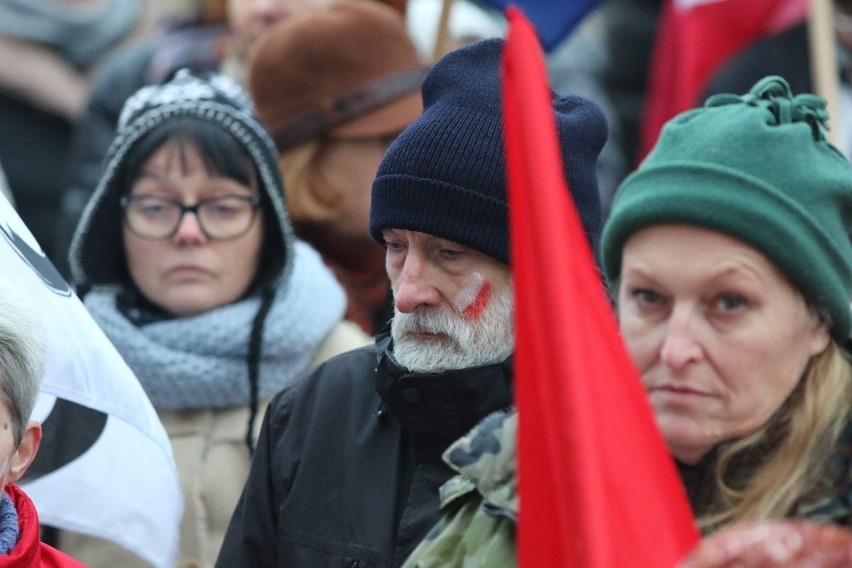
x,y
348,465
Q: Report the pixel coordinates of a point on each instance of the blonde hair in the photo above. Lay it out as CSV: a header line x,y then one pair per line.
x,y
800,438
310,197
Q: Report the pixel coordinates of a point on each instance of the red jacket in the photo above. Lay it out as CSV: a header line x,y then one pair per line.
x,y
30,552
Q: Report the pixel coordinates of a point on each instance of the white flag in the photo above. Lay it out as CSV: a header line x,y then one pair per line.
x,y
105,467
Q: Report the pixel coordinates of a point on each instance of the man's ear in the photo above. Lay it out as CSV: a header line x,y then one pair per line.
x,y
26,452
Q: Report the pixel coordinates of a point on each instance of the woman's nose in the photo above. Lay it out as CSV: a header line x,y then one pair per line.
x,y
189,230
680,343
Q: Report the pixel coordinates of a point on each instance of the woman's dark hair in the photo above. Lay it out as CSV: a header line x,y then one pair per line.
x,y
221,153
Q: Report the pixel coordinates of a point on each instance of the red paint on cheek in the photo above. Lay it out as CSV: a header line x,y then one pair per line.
x,y
479,303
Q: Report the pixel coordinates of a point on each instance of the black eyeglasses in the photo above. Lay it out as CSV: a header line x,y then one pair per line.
x,y
220,218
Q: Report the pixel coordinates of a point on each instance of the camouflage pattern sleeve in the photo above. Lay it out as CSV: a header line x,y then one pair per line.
x,y
480,504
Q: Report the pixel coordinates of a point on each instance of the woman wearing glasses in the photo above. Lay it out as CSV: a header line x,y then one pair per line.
x,y
186,259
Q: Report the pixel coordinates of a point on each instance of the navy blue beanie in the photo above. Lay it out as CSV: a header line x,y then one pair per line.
x,y
445,175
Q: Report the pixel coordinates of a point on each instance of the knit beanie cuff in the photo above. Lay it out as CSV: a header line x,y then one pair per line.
x,y
787,233
431,206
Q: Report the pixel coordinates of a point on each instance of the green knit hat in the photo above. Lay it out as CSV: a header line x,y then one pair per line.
x,y
758,168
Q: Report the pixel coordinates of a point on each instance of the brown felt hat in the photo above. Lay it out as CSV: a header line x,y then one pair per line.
x,y
348,69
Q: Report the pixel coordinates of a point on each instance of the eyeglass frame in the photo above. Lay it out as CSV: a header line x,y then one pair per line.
x,y
253,200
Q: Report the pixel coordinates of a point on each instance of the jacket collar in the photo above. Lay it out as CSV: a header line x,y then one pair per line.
x,y
436,409
26,552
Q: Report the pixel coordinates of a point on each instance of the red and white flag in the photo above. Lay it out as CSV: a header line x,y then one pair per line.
x,y
105,466
694,39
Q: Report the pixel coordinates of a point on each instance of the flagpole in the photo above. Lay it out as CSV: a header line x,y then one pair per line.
x,y
824,62
442,37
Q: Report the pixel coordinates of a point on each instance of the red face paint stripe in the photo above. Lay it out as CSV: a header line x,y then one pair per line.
x,y
479,303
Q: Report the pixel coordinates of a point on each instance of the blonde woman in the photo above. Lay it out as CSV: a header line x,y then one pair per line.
x,y
729,259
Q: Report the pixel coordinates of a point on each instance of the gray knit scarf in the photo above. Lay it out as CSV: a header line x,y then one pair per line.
x,y
200,361
9,528
80,34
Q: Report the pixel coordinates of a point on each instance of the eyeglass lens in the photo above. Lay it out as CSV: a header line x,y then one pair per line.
x,y
224,217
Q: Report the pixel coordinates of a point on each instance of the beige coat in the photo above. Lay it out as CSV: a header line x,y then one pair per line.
x,y
213,462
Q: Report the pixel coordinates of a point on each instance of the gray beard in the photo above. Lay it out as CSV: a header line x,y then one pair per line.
x,y
461,343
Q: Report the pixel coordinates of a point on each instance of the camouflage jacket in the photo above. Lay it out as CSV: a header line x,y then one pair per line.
x,y
480,504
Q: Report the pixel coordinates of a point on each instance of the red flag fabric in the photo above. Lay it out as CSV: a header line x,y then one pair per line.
x,y
598,488
694,39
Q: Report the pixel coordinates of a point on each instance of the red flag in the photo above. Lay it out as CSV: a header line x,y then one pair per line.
x,y
598,488
694,39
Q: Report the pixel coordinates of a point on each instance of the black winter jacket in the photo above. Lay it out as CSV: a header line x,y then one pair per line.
x,y
348,465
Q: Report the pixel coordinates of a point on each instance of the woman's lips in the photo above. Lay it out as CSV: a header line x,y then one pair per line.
x,y
187,271
677,393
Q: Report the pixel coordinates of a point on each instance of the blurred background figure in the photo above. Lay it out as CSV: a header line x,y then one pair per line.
x,y
186,259
578,65
466,21
248,20
788,54
774,544
629,30
335,86
48,51
216,36
694,39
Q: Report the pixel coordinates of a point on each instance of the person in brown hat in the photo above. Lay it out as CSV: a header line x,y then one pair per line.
x,y
335,86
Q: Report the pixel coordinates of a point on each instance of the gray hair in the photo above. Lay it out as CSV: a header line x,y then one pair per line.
x,y
23,357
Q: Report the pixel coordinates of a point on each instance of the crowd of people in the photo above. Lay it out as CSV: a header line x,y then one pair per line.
x,y
292,224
